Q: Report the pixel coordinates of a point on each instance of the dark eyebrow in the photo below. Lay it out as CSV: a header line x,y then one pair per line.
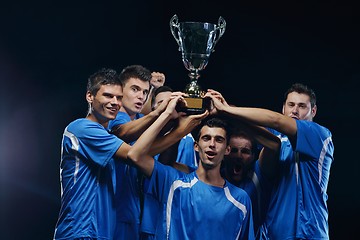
x,y
107,94
135,86
219,137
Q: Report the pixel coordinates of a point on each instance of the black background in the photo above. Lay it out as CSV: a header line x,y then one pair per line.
x,y
48,50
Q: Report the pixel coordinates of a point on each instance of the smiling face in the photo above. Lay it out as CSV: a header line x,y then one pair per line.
x,y
212,146
105,104
135,92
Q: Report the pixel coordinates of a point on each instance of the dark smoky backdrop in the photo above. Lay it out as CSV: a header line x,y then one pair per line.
x,y
49,49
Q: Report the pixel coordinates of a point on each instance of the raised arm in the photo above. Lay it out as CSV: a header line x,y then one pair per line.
x,y
186,125
269,155
132,130
168,145
157,80
257,116
143,149
139,152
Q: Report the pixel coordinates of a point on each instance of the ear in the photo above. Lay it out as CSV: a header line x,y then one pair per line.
x,y
227,150
196,146
89,97
313,111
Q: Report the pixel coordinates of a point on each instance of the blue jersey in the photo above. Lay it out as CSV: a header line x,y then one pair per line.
x,y
121,118
186,153
298,207
259,188
87,176
152,207
195,210
127,197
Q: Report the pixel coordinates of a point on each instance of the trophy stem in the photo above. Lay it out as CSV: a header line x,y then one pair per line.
x,y
193,89
194,75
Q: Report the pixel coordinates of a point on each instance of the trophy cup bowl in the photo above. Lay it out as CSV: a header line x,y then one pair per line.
x,y
196,41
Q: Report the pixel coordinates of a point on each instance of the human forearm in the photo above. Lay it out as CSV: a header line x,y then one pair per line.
x,y
269,155
263,117
139,152
262,136
257,116
164,142
132,130
186,125
147,105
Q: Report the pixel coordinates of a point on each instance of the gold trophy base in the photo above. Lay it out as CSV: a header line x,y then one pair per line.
x,y
195,105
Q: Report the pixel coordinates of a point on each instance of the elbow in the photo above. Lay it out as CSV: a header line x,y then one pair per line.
x,y
284,124
118,131
132,156
276,144
275,147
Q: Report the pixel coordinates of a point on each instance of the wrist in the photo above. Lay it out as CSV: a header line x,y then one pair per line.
x,y
154,113
166,116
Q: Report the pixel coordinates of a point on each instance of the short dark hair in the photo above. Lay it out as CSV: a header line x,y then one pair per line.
x,y
103,76
301,88
135,71
160,89
212,122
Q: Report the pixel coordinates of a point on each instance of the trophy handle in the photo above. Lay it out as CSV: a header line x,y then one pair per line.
x,y
174,27
221,29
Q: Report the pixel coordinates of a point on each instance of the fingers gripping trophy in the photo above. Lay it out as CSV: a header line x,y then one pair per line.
x,y
196,42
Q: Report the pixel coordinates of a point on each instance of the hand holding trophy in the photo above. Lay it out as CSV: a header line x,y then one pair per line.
x,y
196,42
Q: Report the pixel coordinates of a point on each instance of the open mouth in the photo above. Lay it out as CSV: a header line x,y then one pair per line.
x,y
138,105
237,169
210,154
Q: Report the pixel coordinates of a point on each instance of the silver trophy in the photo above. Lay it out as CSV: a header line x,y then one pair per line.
x,y
196,42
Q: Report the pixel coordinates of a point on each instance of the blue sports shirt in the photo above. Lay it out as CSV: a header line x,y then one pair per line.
x,y
195,210
298,207
87,175
127,198
186,152
259,188
152,207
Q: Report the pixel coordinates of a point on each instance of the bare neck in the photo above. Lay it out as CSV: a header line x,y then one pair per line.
x,y
210,176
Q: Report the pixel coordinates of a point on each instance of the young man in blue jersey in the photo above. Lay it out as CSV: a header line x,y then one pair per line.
x,y
88,156
255,175
185,147
298,205
128,125
182,152
200,204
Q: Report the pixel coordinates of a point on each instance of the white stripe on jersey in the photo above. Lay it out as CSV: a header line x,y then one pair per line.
x,y
321,159
174,186
74,145
255,180
239,205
